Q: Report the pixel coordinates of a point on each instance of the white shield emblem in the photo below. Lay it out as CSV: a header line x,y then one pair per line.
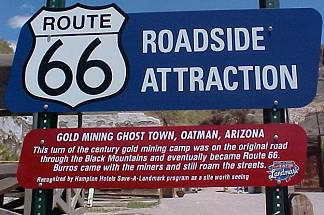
x,y
76,55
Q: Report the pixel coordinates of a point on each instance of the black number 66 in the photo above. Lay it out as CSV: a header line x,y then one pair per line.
x,y
83,65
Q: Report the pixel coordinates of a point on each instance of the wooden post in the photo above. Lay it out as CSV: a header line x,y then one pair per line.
x,y
300,205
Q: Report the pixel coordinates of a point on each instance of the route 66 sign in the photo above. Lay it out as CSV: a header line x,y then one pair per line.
x,y
100,59
76,55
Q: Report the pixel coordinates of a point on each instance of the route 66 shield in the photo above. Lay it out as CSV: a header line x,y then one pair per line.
x,y
76,56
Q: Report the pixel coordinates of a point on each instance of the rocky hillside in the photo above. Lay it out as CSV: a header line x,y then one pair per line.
x,y
14,129
311,117
322,56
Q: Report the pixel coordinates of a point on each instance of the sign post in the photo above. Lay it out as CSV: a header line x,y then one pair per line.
x,y
42,199
276,197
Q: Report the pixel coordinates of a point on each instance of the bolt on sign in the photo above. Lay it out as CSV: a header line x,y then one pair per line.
x,y
159,157
85,58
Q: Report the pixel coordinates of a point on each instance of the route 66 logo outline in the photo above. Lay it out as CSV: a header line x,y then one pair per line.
x,y
98,71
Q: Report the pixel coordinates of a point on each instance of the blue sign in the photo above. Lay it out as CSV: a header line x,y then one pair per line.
x,y
100,59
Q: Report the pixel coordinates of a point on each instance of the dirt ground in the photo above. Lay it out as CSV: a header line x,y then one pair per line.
x,y
210,201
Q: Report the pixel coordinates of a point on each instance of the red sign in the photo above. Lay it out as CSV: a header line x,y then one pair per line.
x,y
160,157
